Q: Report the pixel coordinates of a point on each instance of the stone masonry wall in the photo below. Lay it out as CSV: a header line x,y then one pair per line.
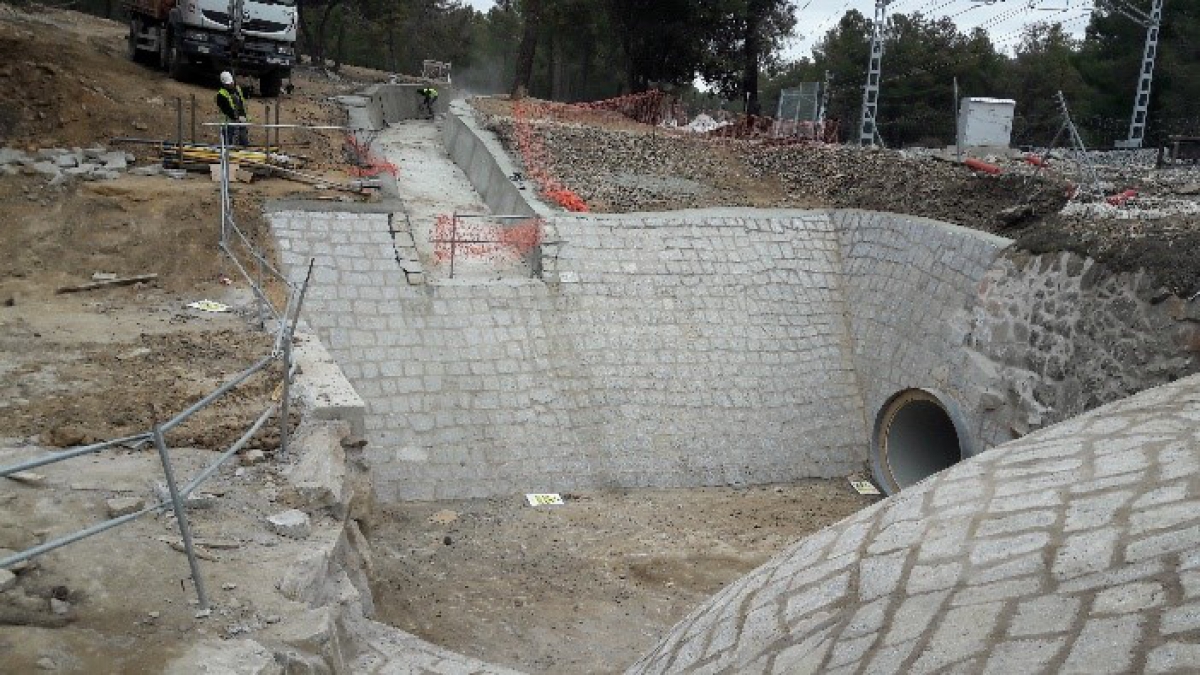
x,y
689,349
909,282
1055,335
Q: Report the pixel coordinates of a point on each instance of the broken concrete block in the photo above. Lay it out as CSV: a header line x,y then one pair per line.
x,y
8,170
7,580
123,506
50,154
94,152
151,170
66,161
319,478
11,156
28,478
80,171
47,168
292,523
60,607
105,174
235,657
114,161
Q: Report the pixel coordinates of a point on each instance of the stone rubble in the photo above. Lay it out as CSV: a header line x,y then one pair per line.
x,y
292,523
123,506
61,164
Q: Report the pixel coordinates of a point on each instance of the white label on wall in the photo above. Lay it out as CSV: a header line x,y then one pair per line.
x,y
545,500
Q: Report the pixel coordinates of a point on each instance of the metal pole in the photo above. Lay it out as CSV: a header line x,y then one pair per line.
x,y
180,517
957,125
238,379
868,127
74,452
453,241
46,547
285,405
262,321
278,143
193,119
289,332
267,119
179,130
245,438
1141,99
224,183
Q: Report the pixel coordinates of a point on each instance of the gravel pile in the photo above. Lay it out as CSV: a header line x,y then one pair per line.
x,y
884,180
622,171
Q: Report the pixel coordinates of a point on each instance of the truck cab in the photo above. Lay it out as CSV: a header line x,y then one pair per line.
x,y
249,37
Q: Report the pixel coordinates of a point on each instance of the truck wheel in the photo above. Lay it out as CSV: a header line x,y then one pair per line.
x,y
135,29
176,61
270,83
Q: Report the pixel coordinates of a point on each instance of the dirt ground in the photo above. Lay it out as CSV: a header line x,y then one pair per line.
x,y
122,602
587,587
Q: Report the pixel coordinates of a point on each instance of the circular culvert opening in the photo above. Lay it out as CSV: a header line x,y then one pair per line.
x,y
916,436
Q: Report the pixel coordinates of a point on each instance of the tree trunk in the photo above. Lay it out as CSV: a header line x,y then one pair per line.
x,y
340,52
391,44
528,48
319,50
751,53
556,69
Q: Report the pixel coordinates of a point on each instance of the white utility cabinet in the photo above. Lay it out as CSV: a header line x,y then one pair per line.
x,y
985,122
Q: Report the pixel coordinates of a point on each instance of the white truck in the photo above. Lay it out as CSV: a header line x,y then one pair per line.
x,y
249,37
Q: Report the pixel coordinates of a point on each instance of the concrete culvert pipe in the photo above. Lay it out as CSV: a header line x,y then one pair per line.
x,y
917,433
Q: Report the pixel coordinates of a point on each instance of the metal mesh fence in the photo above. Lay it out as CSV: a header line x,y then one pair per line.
x,y
800,104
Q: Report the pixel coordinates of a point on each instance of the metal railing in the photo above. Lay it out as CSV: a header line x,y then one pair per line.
x,y
282,349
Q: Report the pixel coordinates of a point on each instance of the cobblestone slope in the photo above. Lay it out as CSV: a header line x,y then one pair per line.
x,y
1075,549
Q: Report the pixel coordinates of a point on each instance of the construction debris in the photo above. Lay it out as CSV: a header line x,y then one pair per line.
x,y
108,283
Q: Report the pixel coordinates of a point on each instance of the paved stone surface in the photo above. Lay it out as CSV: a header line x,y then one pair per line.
x,y
1111,587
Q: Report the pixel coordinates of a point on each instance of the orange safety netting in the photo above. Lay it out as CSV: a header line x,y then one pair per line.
x,y
363,162
479,239
538,162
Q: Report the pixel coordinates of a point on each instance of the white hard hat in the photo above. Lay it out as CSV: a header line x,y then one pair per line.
x,y
226,77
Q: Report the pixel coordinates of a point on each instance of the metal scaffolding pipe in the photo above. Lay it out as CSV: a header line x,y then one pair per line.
x,y
68,454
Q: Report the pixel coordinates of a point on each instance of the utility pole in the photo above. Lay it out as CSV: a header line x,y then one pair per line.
x,y
1141,100
868,129
1087,170
825,87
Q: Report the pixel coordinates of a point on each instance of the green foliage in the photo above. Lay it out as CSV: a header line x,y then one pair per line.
x,y
590,49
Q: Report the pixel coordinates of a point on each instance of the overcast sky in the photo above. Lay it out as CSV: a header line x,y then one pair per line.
x,y
1002,19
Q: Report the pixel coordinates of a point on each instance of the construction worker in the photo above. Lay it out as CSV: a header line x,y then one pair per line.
x,y
429,96
232,104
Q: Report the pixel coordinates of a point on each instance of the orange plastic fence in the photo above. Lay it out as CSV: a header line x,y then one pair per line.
x,y
365,164
477,239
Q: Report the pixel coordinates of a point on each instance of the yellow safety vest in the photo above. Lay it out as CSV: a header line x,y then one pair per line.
x,y
232,104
